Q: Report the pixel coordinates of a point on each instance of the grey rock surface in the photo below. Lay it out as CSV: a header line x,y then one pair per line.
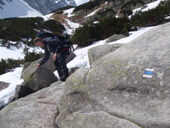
x,y
73,100
3,85
37,78
96,53
21,90
1,104
114,38
96,120
131,83
37,110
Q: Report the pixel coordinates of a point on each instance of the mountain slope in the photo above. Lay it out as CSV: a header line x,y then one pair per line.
x,y
16,8
95,9
46,6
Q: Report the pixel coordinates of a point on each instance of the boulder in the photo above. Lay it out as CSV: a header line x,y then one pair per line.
x,y
72,70
75,96
37,110
131,83
1,104
49,64
97,52
3,85
37,78
114,38
21,90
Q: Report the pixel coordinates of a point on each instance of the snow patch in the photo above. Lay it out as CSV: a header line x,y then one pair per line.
x,y
132,35
69,12
14,79
148,6
72,25
16,53
93,13
79,2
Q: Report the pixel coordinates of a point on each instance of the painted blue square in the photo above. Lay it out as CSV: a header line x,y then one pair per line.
x,y
148,72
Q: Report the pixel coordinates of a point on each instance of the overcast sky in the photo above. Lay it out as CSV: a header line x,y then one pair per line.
x,y
78,2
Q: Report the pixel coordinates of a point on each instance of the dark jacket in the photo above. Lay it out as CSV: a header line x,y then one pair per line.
x,y
52,45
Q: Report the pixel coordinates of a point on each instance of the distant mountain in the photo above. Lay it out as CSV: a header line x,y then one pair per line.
x,y
31,8
46,6
16,8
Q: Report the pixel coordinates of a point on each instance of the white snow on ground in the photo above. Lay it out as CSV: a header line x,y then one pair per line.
x,y
72,25
14,79
69,12
79,2
168,17
132,36
15,53
81,59
47,17
93,13
148,6
152,5
11,53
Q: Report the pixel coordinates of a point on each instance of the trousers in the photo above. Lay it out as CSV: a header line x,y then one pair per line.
x,y
60,64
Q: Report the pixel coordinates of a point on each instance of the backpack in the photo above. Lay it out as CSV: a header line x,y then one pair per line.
x,y
64,38
43,35
67,43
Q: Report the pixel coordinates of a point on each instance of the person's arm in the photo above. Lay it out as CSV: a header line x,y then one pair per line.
x,y
46,56
54,56
58,49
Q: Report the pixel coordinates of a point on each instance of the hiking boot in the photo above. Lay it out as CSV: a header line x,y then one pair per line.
x,y
63,77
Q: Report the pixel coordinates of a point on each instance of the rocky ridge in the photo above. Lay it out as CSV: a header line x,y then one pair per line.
x,y
130,84
99,11
105,8
36,110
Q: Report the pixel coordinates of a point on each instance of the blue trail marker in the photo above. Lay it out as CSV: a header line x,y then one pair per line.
x,y
148,73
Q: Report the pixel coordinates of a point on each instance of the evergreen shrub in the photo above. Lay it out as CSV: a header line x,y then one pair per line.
x,y
17,29
7,65
130,3
87,6
153,16
106,27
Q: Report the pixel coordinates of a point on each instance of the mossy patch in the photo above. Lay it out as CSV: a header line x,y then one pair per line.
x,y
77,81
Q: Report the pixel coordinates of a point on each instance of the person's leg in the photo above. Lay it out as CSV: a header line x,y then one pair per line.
x,y
62,67
57,68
